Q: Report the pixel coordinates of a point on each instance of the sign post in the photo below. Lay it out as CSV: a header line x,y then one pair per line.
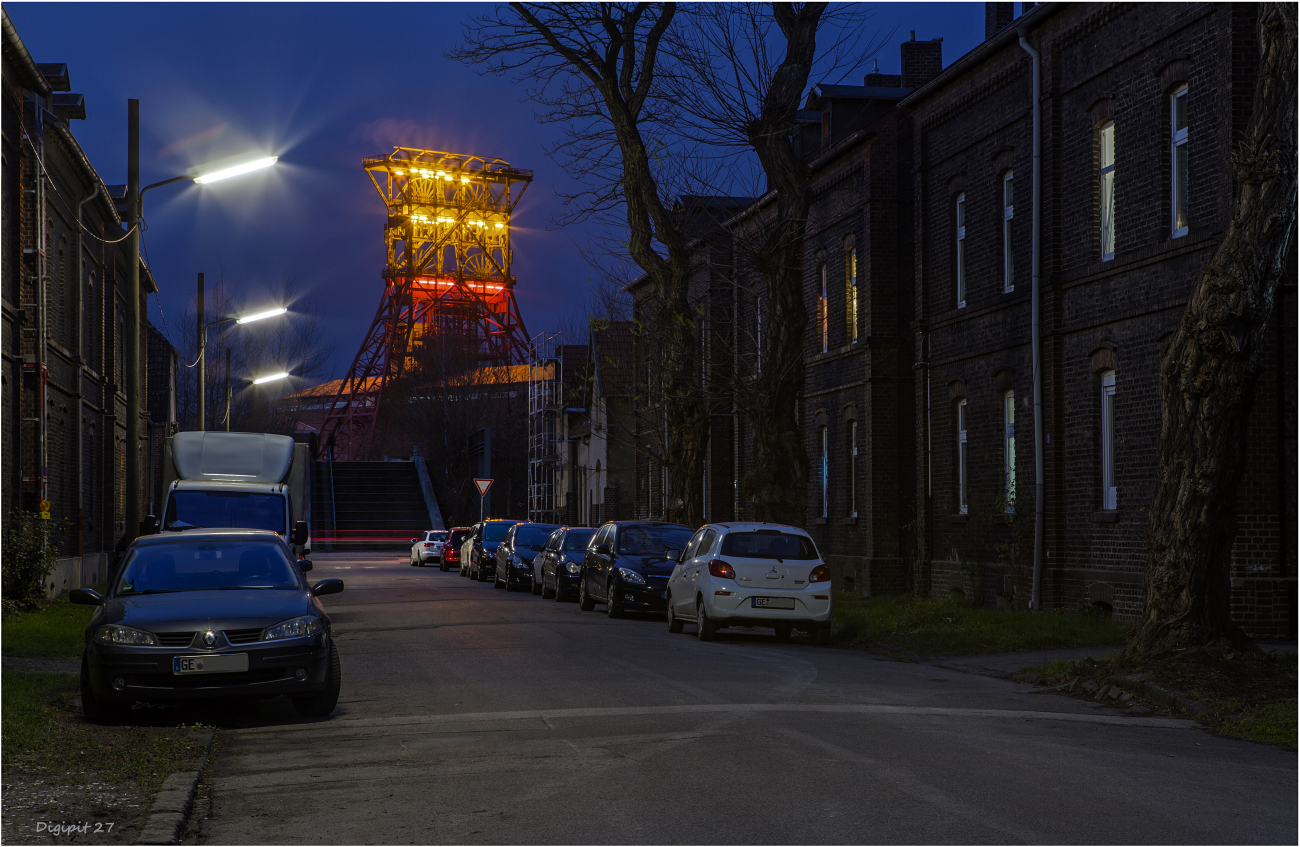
x,y
483,485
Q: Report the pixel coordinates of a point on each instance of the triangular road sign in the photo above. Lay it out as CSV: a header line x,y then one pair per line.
x,y
483,486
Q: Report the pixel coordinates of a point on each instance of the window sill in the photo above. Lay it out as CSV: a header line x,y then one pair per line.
x,y
1106,516
958,519
820,521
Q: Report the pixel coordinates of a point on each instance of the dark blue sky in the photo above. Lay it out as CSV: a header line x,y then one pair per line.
x,y
323,85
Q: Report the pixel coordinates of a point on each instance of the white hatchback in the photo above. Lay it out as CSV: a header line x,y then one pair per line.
x,y
427,548
751,574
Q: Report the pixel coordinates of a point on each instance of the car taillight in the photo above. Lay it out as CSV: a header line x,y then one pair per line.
x,y
453,554
430,544
721,569
821,573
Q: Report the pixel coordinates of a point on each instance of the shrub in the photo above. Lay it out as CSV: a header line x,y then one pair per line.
x,y
28,554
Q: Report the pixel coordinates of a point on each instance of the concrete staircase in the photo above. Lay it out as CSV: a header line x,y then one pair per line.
x,y
367,506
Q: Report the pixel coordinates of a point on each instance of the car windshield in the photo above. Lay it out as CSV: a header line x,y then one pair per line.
x,y
457,537
208,565
496,531
651,540
577,539
437,536
242,509
768,544
533,535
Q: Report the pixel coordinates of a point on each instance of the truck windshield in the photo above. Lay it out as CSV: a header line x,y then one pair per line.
x,y
194,509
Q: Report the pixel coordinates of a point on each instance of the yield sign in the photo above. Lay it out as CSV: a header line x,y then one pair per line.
x,y
483,486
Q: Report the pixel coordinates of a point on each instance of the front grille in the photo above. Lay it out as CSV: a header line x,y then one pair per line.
x,y
175,639
243,636
204,680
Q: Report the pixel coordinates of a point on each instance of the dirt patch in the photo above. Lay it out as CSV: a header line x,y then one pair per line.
x,y
37,811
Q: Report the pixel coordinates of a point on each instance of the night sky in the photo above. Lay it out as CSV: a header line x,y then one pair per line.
x,y
323,85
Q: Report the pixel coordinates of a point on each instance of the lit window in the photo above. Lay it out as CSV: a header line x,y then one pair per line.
x,y
961,250
962,505
826,473
1106,152
1108,492
1009,448
851,293
823,307
1008,213
853,469
1178,161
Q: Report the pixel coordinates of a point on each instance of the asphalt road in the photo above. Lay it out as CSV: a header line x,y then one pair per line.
x,y
473,715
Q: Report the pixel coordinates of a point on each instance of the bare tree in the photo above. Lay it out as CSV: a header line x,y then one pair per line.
x,y
1209,370
592,68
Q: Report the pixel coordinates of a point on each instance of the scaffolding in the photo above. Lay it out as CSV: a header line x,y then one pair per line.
x,y
447,281
544,409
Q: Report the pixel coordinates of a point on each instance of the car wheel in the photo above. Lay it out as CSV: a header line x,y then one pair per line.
x,y
584,599
783,631
705,628
612,607
96,710
412,563
822,634
442,566
548,595
498,583
674,622
538,587
322,704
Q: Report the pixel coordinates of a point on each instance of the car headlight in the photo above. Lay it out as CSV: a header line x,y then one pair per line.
x,y
113,634
296,628
573,567
516,561
631,577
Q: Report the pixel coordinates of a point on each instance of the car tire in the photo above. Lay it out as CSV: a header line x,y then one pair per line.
x,y
496,580
584,599
412,563
96,710
612,607
705,628
822,635
783,631
322,704
549,595
539,589
675,624
442,566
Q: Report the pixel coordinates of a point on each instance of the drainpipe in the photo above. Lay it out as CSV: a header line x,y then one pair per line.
x,y
1036,598
81,322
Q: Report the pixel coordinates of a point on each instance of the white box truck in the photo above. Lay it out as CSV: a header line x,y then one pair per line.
x,y
252,480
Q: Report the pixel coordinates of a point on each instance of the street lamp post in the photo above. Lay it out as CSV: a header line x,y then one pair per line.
x,y
134,205
203,344
261,380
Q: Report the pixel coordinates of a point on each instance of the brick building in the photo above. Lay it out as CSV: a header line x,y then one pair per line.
x,y
62,300
919,401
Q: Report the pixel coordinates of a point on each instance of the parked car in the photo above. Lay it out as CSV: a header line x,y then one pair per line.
x,y
209,614
467,548
483,548
751,574
560,563
627,565
428,547
450,554
516,552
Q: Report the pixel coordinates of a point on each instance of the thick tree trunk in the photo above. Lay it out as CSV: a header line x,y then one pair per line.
x,y
1208,373
776,484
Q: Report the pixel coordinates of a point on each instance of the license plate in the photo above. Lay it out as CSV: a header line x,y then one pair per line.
x,y
772,602
232,663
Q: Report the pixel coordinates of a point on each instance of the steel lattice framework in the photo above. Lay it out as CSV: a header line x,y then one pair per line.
x,y
447,279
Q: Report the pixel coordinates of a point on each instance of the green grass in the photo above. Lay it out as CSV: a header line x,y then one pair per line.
x,y
1270,723
55,631
43,732
946,628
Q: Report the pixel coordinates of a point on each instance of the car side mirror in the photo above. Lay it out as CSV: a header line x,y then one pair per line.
x,y
85,597
415,541
149,525
327,586
304,565
603,549
673,555
306,551
300,533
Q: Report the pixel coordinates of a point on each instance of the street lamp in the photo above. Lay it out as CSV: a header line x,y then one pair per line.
x,y
134,204
261,380
203,346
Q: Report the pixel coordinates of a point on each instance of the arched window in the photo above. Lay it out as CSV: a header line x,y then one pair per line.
x,y
1106,180
823,309
1008,214
1009,448
1108,489
853,469
963,505
851,292
961,250
1178,161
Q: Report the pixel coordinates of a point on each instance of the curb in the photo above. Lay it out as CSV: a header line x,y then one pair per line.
x,y
172,804
1143,685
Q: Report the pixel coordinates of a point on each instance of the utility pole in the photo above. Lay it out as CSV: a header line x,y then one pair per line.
x,y
133,482
228,391
203,343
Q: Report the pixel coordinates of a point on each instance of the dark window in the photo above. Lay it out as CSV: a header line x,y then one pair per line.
x,y
768,544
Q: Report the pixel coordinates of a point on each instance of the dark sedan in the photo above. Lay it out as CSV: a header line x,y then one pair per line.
x,y
627,566
483,554
516,552
560,563
209,614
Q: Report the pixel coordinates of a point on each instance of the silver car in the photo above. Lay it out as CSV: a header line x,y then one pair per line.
x,y
427,548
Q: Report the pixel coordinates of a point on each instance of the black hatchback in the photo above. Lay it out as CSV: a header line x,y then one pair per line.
x,y
627,565
516,552
209,614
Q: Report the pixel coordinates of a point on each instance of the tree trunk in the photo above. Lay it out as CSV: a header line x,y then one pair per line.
x,y
1208,372
776,484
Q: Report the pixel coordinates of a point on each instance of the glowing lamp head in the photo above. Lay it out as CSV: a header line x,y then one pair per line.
x,y
270,378
259,316
236,170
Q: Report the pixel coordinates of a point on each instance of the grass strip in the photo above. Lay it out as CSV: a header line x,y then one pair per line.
x,y
55,631
932,628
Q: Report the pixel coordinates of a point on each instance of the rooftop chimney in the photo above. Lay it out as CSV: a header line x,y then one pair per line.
x,y
876,79
997,17
922,61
